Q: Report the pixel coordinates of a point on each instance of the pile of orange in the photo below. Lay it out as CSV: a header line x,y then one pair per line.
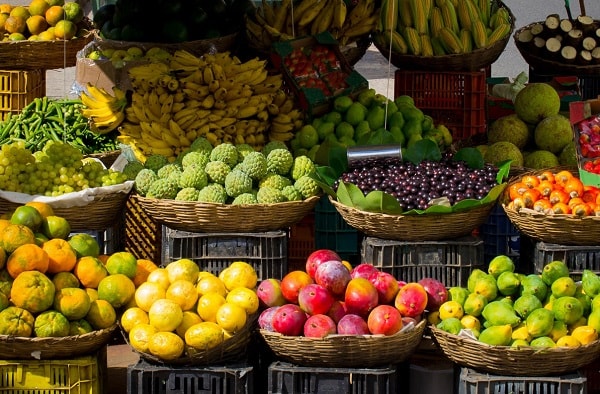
x,y
554,193
42,20
48,273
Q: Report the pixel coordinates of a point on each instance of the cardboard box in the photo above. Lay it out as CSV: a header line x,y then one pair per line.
x,y
323,79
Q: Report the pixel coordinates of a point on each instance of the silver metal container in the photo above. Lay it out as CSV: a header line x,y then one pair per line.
x,y
372,153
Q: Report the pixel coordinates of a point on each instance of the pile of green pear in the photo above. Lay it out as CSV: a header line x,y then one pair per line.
x,y
502,307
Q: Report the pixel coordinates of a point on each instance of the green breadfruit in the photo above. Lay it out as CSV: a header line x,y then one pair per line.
x,y
255,165
155,162
195,159
225,152
201,144
269,195
244,150
213,192
187,194
143,180
302,165
193,177
280,161
163,188
217,171
168,169
245,198
307,186
237,182
291,193
275,180
131,169
271,145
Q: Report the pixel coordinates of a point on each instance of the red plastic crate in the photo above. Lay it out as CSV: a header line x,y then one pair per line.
x,y
454,99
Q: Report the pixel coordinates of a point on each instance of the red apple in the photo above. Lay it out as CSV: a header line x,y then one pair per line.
x,y
289,319
386,285
401,284
333,276
319,326
360,297
352,324
291,284
265,319
269,293
320,256
384,319
314,299
363,270
437,293
411,299
337,310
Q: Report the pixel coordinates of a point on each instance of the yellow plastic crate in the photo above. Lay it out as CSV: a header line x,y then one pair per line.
x,y
82,375
18,88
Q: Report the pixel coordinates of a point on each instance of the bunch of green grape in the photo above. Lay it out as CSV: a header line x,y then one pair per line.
x,y
57,169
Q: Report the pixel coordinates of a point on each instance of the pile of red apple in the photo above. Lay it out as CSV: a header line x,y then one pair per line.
x,y
331,297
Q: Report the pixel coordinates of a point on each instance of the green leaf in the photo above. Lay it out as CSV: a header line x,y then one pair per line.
x,y
494,193
325,178
465,204
503,171
380,137
424,149
350,195
438,209
381,202
471,156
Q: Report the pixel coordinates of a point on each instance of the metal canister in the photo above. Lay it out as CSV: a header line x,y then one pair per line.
x,y
372,153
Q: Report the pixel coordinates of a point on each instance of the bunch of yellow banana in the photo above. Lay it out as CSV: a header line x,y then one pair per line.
x,y
271,23
216,96
104,111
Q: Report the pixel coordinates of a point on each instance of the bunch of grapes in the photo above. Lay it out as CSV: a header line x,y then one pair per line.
x,y
57,169
415,185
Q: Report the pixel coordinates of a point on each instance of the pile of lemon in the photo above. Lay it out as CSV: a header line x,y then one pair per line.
x,y
179,306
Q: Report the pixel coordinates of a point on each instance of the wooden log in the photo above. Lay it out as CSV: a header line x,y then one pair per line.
x,y
565,26
525,36
596,55
586,24
584,57
588,43
573,38
568,54
551,24
553,46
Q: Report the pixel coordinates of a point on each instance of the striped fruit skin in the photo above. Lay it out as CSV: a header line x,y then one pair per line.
x,y
412,40
465,40
436,21
479,34
450,41
389,15
499,33
418,16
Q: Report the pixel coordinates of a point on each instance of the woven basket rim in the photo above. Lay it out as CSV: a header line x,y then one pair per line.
x,y
475,60
518,361
541,64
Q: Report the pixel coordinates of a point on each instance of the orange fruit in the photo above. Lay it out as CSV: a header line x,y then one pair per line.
x,y
244,297
15,235
142,270
79,327
165,315
73,12
103,258
56,227
101,314
183,269
43,208
4,223
166,345
5,282
27,216
93,293
6,8
189,319
133,316
72,302
65,30
90,271
184,293
64,279
159,276
32,290
54,14
2,258
139,335
20,11
122,263
208,305
211,284
27,257
205,335
231,317
61,255
47,35
38,7
51,324
16,321
147,293
16,37
84,244
56,2
117,289
40,239
239,274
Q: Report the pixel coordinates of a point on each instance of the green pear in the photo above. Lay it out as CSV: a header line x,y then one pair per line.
x,y
525,304
567,309
498,313
540,322
533,284
554,270
458,294
451,325
496,335
473,276
486,286
590,282
500,264
508,283
474,304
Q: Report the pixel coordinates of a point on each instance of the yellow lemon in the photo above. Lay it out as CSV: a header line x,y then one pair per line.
x,y
231,317
204,335
585,334
208,305
451,309
165,315
239,274
470,322
189,319
210,284
147,293
568,341
244,297
133,316
139,335
166,345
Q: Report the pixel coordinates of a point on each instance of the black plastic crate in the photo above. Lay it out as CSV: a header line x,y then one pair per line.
x,y
332,232
500,236
589,85
266,251
159,379
576,257
473,382
449,261
285,378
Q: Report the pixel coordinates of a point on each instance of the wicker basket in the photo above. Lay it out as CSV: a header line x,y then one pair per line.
x,y
475,60
232,350
510,361
552,67
557,229
45,55
35,348
355,51
345,351
207,217
107,158
425,227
